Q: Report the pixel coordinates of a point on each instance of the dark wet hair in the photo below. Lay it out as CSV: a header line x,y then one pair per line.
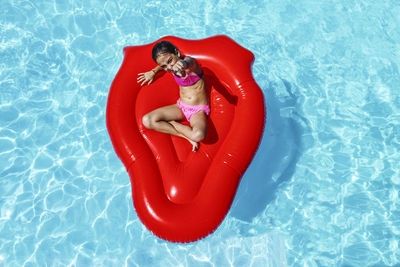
x,y
162,48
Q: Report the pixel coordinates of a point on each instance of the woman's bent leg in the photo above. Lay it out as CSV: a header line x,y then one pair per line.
x,y
164,120
158,120
197,130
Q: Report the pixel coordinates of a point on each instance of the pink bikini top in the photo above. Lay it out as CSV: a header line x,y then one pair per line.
x,y
190,79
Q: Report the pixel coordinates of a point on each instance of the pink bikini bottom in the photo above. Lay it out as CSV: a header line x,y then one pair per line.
x,y
189,110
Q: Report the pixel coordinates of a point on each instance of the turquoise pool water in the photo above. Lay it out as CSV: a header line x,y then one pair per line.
x,y
323,189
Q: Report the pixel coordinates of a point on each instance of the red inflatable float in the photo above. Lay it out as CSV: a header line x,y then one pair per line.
x,y
180,195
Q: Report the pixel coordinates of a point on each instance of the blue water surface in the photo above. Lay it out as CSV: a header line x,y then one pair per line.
x,y
322,190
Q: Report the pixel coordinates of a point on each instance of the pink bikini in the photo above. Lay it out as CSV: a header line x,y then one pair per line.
x,y
190,110
189,80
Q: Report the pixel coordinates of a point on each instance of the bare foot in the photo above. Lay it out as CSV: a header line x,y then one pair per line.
x,y
194,144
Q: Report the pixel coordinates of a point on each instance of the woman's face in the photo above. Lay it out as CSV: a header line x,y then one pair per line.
x,y
167,60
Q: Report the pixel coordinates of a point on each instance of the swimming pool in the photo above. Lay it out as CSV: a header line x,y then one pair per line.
x,y
323,189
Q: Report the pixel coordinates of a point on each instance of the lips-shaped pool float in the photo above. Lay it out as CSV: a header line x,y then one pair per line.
x,y
180,195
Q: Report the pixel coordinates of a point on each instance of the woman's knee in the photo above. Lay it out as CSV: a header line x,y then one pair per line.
x,y
147,121
198,135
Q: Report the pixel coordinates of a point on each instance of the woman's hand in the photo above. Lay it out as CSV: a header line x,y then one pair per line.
x,y
146,77
180,67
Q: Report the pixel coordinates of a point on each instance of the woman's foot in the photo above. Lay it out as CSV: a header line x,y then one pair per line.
x,y
195,145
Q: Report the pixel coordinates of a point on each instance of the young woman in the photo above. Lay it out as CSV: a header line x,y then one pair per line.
x,y
192,104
